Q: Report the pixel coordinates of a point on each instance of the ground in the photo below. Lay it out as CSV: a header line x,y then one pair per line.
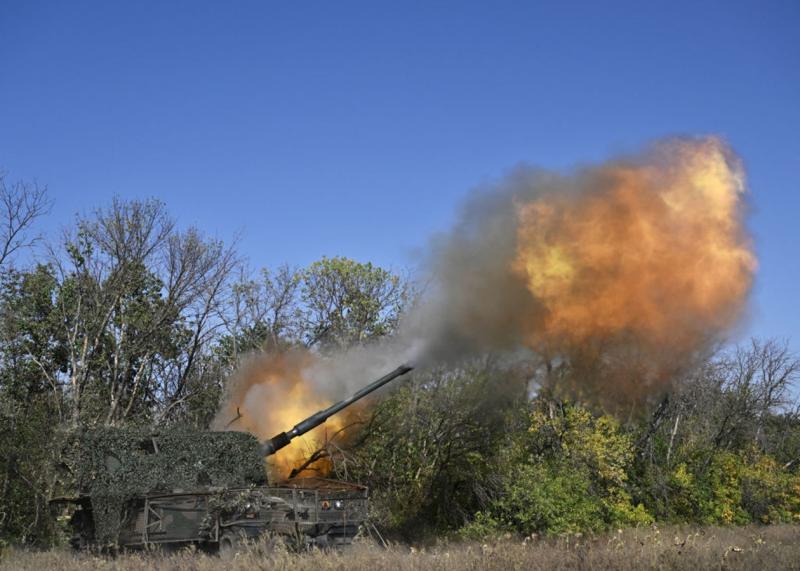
x,y
773,548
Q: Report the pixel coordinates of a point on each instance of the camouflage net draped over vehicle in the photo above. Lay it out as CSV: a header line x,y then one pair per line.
x,y
112,466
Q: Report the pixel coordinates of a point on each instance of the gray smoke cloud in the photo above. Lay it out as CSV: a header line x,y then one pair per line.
x,y
644,256
472,301
643,259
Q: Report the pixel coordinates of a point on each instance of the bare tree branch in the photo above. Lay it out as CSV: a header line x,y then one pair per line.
x,y
21,203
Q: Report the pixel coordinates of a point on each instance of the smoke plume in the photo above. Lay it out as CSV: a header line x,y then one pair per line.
x,y
648,251
642,262
635,267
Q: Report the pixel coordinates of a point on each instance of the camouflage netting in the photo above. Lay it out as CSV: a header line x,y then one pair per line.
x,y
113,465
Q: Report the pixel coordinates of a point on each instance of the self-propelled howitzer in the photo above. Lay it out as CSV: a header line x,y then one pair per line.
x,y
132,487
283,439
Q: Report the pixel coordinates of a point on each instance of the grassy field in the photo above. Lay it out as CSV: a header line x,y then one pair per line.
x,y
772,548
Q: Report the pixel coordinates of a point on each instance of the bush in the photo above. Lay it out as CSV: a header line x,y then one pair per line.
x,y
542,498
734,489
770,494
574,479
429,454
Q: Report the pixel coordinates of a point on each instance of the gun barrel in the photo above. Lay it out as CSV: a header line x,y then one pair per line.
x,y
284,438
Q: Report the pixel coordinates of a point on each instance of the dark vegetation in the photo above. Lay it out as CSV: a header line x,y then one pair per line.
x,y
130,321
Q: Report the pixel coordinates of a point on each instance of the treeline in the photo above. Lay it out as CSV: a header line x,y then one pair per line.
x,y
127,319
480,451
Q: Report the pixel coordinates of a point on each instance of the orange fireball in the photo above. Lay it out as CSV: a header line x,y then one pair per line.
x,y
270,394
654,250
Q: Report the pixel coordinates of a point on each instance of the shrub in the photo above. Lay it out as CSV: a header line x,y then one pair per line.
x,y
573,480
728,488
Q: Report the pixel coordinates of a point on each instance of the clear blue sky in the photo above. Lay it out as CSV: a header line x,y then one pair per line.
x,y
325,128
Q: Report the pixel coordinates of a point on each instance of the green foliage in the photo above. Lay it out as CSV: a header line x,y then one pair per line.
x,y
349,303
429,453
28,333
568,475
544,498
25,461
29,407
770,494
734,489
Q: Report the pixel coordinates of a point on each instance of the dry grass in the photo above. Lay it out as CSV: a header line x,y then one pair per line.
x,y
771,548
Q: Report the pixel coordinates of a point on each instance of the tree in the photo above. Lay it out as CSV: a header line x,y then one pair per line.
x,y
429,450
262,313
21,203
348,303
137,302
567,473
716,426
31,404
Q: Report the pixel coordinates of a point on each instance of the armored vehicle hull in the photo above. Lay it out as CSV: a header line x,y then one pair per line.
x,y
309,511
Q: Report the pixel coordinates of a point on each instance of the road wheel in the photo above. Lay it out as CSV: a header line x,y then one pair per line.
x,y
82,530
230,543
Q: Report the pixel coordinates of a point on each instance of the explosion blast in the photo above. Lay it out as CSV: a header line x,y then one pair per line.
x,y
627,271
